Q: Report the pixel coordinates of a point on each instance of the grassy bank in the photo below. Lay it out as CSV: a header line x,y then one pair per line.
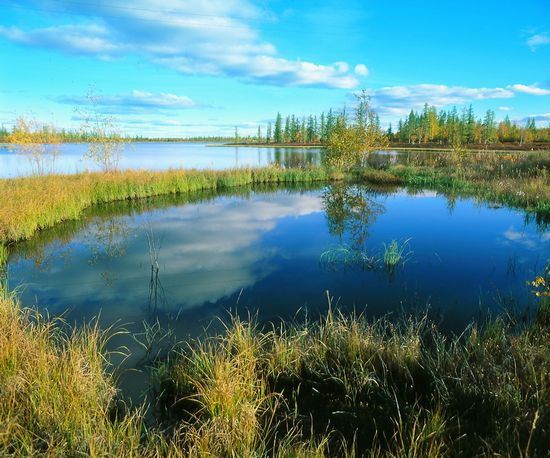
x,y
340,386
521,180
358,387
56,396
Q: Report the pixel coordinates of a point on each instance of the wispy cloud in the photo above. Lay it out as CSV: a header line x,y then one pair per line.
x,y
134,102
531,241
532,89
218,37
540,39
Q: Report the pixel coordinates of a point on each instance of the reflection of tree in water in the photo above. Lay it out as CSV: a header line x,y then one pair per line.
x,y
107,239
351,210
292,158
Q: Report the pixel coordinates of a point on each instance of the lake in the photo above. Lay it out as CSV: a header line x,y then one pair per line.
x,y
160,156
179,262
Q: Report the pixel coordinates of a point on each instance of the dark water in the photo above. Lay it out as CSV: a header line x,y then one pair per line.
x,y
262,251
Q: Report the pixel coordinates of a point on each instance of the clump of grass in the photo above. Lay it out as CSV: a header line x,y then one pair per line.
x,y
219,387
379,176
396,253
56,397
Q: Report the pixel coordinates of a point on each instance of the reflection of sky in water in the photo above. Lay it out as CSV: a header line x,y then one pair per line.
x,y
262,251
268,245
160,156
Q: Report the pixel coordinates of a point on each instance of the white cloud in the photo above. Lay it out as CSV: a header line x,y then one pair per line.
x,y
200,262
505,108
537,40
532,89
399,100
361,70
215,38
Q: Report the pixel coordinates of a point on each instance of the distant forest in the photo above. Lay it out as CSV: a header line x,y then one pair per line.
x,y
430,126
427,127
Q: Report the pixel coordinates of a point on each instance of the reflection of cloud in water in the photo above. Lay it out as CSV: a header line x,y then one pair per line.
x,y
214,250
209,251
416,194
528,240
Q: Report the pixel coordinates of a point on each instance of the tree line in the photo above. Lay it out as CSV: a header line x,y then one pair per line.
x,y
464,128
442,127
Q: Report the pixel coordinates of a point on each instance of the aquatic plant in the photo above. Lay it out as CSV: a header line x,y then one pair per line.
x,y
396,253
346,257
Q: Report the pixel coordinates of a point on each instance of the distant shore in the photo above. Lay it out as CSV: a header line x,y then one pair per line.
x,y
497,148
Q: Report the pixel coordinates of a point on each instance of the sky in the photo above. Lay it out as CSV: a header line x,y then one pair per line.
x,y
181,68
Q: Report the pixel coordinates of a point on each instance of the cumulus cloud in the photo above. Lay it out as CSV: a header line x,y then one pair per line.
x,y
504,108
532,89
215,38
399,100
537,40
134,102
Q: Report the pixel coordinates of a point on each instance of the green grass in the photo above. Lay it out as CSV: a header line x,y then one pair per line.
x,y
516,179
3,256
396,253
34,203
56,396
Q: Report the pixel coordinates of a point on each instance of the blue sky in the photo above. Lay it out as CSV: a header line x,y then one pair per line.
x,y
182,68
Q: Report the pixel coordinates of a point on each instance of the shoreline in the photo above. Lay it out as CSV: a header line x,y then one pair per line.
x,y
389,148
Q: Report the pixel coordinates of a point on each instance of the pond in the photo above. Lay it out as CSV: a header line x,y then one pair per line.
x,y
161,156
179,262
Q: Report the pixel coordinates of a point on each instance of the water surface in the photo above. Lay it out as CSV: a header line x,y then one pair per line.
x,y
261,251
160,156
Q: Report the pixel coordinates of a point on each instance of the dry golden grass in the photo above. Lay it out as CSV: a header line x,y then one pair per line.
x,y
56,395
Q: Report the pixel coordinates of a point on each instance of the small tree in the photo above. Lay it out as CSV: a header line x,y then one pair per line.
x,y
350,145
105,143
39,143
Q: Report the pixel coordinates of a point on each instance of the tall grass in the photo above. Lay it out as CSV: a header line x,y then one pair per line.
x,y
342,386
56,396
363,388
33,203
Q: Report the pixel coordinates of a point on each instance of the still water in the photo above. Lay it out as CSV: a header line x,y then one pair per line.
x,y
264,250
160,156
